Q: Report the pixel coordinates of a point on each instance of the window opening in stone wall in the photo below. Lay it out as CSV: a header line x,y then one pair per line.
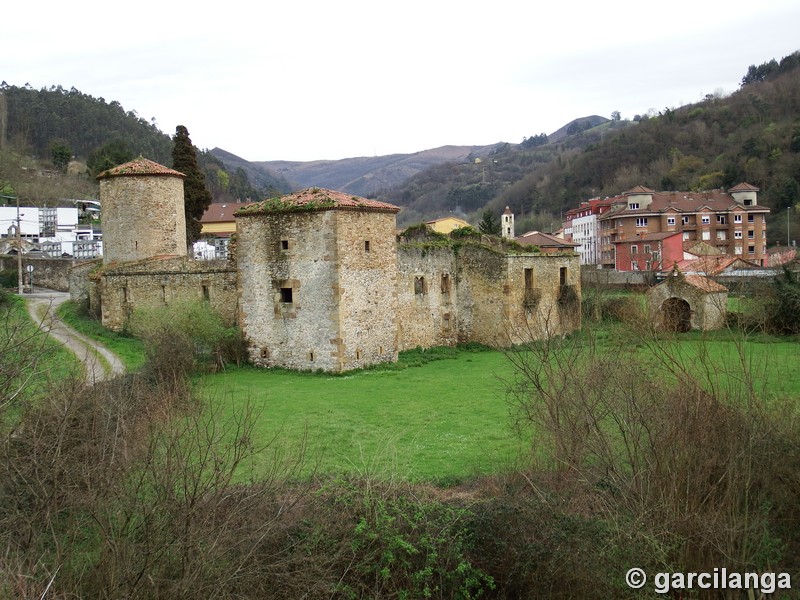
x,y
358,354
125,296
284,244
287,295
446,321
445,283
206,293
311,356
562,276
164,294
366,245
528,281
419,286
264,353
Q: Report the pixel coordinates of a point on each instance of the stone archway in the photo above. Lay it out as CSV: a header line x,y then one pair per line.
x,y
677,315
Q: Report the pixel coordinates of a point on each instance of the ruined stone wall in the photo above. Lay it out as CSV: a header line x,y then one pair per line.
x,y
52,273
78,277
481,277
288,288
427,296
489,301
367,288
545,302
121,289
143,216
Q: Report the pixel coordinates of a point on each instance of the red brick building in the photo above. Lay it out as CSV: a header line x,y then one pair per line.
x,y
650,252
731,221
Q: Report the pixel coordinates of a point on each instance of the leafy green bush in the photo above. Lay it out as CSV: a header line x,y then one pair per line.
x,y
394,541
8,278
187,336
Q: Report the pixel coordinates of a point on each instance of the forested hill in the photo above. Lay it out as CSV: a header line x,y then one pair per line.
x,y
51,122
753,135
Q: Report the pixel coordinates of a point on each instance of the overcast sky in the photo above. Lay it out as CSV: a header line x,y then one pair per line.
x,y
306,80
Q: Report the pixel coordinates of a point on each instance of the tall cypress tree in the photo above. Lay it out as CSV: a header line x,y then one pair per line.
x,y
196,197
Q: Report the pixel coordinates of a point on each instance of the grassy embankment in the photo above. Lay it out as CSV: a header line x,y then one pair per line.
x,y
129,349
43,361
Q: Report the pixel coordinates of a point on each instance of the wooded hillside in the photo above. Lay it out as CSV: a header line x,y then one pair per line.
x,y
752,135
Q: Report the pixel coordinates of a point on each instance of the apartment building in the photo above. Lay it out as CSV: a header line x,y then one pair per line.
x,y
582,226
731,221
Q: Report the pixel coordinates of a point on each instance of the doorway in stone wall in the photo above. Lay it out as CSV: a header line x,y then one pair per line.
x,y
677,315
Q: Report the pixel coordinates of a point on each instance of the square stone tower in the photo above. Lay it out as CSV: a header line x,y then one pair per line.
x,y
317,280
143,212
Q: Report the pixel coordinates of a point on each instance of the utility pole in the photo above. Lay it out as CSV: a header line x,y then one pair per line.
x,y
19,251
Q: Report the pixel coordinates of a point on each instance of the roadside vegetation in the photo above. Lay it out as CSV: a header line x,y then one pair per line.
x,y
544,471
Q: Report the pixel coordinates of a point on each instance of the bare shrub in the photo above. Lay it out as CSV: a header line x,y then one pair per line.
x,y
675,443
131,489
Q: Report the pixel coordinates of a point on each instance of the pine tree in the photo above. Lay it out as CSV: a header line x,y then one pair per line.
x,y
196,197
488,224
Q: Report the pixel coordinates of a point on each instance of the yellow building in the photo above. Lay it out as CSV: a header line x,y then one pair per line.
x,y
218,219
446,224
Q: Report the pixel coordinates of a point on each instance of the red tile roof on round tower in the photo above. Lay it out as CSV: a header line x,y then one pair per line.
x,y
139,166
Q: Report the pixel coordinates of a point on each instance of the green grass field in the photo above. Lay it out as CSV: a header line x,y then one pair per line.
x,y
442,421
449,419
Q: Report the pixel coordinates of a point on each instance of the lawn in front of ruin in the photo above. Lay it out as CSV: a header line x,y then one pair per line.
x,y
443,421
449,419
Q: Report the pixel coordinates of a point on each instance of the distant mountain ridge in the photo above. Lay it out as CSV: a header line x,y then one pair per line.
x,y
361,176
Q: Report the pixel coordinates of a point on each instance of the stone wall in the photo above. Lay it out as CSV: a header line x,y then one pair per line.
x,y
288,288
427,297
116,291
507,299
318,288
52,273
490,300
366,268
155,227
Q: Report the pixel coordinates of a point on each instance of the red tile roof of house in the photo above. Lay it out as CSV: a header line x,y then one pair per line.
x,y
714,200
744,187
139,166
712,265
312,199
222,212
640,189
544,240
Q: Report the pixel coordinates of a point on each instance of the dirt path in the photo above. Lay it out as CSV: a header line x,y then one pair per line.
x,y
98,361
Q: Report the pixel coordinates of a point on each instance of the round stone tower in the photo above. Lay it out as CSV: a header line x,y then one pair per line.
x,y
143,212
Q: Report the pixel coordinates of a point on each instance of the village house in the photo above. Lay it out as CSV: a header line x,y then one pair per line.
x,y
547,243
446,224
